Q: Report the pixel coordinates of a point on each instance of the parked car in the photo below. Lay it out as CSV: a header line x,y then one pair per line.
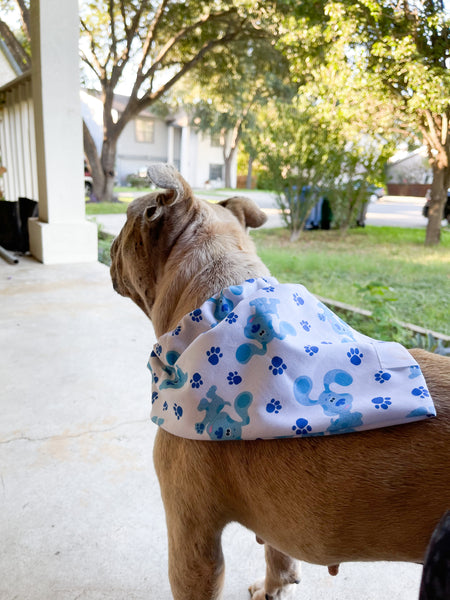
x,y
87,181
87,185
446,211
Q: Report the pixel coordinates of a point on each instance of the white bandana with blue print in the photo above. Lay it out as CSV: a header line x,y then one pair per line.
x,y
265,360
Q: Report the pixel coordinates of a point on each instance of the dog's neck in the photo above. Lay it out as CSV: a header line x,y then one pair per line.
x,y
210,269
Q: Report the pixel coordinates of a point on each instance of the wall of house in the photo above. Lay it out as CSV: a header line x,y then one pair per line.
x,y
133,156
412,169
210,169
92,113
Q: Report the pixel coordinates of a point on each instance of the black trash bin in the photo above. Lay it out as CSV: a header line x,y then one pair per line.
x,y
14,217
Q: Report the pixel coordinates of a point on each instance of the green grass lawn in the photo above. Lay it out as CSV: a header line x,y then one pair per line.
x,y
335,266
110,208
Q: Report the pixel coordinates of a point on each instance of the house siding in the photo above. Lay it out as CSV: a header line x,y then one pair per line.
x,y
133,155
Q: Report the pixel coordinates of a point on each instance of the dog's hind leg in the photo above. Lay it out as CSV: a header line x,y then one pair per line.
x,y
281,572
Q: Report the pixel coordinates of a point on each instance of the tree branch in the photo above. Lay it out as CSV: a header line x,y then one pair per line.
x,y
151,33
113,45
121,61
181,34
25,16
150,97
99,70
433,133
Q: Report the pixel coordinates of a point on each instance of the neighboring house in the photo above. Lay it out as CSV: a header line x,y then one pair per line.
x,y
151,138
409,173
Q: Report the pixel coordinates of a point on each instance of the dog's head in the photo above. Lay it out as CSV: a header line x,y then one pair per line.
x,y
173,243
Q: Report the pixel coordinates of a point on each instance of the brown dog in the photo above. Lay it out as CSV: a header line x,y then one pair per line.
x,y
368,496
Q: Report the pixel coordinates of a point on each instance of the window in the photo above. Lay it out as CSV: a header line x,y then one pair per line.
x,y
215,172
145,130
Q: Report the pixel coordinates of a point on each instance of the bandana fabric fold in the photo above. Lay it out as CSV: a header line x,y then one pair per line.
x,y
265,360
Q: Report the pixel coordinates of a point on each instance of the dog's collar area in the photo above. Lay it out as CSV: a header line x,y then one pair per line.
x,y
264,360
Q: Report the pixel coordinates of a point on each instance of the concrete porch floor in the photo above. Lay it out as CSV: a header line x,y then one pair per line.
x,y
80,510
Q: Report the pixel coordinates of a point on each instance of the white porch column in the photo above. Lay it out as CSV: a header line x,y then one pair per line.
x,y
61,235
170,142
185,157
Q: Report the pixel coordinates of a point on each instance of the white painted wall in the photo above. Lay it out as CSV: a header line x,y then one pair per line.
x,y
133,155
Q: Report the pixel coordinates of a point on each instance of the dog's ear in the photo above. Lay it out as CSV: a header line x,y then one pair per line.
x,y
246,211
167,177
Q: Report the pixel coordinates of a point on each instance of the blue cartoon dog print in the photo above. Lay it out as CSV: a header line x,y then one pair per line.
x,y
222,305
218,424
261,328
333,403
176,377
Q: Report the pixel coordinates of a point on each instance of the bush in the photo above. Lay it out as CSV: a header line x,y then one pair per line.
x,y
137,181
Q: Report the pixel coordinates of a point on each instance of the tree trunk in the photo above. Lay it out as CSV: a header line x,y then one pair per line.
x,y
248,183
108,160
228,160
95,166
437,202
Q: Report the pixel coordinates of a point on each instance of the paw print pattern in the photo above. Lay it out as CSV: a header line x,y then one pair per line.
x,y
155,378
355,356
301,427
165,406
306,326
298,299
199,428
382,376
177,330
231,318
269,288
214,355
196,315
178,411
274,406
234,378
277,367
421,392
381,402
414,371
158,349
311,350
154,397
196,381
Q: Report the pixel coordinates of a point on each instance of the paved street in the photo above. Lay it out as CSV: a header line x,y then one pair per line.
x,y
397,211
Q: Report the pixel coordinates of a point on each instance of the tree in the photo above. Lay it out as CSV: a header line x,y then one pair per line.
x,y
17,41
330,141
224,99
155,44
294,149
403,48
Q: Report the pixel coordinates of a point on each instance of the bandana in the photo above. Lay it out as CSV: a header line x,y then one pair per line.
x,y
265,360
